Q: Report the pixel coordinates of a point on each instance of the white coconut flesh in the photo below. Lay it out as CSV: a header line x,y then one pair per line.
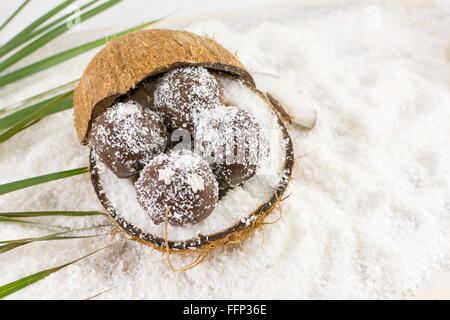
x,y
237,205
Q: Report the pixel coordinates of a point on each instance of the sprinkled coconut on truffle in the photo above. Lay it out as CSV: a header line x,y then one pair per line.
x,y
232,141
184,92
180,182
127,135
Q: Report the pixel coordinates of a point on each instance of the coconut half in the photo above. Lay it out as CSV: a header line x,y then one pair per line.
x,y
119,68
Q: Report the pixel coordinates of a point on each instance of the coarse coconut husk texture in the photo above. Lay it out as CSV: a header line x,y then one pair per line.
x,y
368,212
126,61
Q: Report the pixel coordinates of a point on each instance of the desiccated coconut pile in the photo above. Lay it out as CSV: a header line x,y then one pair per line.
x,y
368,214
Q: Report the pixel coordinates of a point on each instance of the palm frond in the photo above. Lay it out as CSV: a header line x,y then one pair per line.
x,y
30,35
28,214
10,220
17,285
51,93
16,117
14,14
21,184
8,245
17,39
52,34
11,246
34,116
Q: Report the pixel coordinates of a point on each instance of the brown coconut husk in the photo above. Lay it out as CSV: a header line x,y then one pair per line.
x,y
122,66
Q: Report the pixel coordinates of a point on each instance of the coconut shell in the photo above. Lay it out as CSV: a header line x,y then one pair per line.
x,y
211,242
120,67
126,61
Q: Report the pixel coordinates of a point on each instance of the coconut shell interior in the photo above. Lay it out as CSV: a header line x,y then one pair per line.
x,y
127,61
237,232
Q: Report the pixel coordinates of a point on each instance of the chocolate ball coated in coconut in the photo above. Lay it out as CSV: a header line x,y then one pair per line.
x,y
232,141
180,182
183,92
127,135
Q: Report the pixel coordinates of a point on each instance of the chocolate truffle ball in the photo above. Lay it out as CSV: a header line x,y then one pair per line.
x,y
183,92
180,182
233,143
127,135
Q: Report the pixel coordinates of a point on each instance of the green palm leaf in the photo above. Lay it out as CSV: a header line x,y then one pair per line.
x,y
17,40
21,184
15,244
17,285
16,117
34,116
11,246
50,238
50,213
52,34
19,105
8,245
10,220
14,14
26,37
